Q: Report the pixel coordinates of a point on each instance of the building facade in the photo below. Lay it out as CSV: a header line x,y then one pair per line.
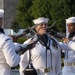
x,y
9,7
1,4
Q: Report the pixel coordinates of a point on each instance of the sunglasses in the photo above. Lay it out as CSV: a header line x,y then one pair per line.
x,y
41,24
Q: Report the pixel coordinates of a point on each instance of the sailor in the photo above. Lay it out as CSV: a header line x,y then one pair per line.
x,y
8,51
69,47
45,56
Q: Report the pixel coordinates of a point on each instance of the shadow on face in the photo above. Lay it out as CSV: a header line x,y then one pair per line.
x,y
71,27
41,28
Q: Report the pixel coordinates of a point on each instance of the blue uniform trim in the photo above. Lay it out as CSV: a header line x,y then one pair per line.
x,y
7,39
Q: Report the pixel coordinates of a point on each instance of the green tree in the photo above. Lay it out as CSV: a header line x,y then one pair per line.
x,y
55,10
59,11
71,4
23,18
15,25
41,8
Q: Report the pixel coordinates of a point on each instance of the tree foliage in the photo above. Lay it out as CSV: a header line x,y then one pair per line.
x,y
55,10
23,17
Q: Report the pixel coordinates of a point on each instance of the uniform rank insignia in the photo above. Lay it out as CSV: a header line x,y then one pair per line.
x,y
7,39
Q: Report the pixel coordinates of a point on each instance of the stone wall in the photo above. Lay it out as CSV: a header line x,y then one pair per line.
x,y
1,4
10,12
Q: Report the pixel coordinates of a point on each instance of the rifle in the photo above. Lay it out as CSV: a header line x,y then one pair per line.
x,y
52,25
15,37
29,30
29,46
53,33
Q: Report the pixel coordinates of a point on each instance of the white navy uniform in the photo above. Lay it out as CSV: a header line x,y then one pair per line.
x,y
69,60
38,57
8,56
69,48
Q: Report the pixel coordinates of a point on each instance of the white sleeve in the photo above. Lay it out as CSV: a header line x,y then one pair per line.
x,y
24,62
64,46
26,43
11,57
17,46
24,58
71,45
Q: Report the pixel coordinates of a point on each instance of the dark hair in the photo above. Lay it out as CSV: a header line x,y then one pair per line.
x,y
2,31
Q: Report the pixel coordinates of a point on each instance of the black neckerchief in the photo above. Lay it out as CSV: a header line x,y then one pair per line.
x,y
44,39
2,31
71,35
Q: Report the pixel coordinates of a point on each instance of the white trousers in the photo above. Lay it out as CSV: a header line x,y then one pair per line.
x,y
4,71
68,70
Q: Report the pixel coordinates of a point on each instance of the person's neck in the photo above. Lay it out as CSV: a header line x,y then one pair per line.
x,y
71,34
41,33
